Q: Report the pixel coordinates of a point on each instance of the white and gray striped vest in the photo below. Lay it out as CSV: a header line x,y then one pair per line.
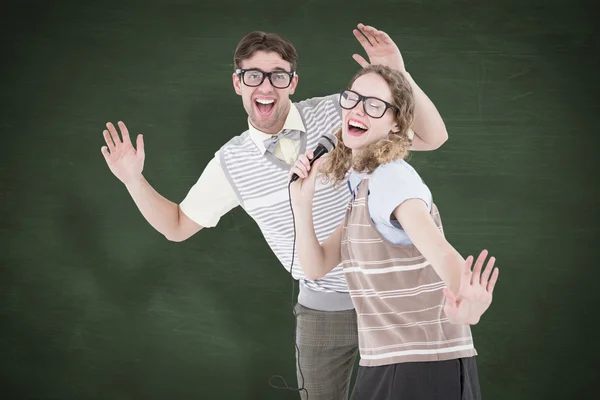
x,y
261,184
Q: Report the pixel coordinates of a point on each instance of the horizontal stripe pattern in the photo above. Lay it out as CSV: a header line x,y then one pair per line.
x,y
263,190
397,295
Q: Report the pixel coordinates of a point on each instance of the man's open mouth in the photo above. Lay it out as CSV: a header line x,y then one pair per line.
x,y
265,106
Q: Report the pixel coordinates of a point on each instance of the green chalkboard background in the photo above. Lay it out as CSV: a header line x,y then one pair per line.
x,y
95,304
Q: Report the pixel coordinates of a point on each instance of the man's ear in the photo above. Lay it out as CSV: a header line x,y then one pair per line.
x,y
237,84
294,84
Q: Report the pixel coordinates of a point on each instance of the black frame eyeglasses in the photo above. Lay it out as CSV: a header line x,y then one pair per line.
x,y
242,72
368,107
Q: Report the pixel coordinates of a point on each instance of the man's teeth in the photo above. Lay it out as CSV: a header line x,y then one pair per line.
x,y
357,125
263,101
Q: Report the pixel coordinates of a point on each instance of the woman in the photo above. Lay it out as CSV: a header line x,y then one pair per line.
x,y
414,295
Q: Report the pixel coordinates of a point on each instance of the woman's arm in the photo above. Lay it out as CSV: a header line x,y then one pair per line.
x,y
469,293
316,259
415,219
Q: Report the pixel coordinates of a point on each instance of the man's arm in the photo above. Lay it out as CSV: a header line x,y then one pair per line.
x,y
210,198
428,125
164,215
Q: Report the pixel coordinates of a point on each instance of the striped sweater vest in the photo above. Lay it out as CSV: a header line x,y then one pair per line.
x,y
261,184
397,295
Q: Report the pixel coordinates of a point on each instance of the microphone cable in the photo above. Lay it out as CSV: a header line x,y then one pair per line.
x,y
287,387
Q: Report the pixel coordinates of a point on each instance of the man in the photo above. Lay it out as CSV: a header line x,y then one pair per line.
x,y
251,170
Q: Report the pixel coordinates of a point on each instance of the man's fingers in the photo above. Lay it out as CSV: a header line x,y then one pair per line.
x,y
360,60
378,35
361,38
384,37
124,132
108,139
370,33
475,278
105,153
112,131
140,146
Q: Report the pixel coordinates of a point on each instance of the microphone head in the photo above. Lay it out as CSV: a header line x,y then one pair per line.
x,y
329,141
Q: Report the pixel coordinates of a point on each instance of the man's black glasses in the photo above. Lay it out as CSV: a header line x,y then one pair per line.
x,y
255,77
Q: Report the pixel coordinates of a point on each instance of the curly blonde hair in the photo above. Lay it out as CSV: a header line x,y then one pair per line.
x,y
394,147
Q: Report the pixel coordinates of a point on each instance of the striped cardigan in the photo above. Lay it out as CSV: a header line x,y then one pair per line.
x,y
397,295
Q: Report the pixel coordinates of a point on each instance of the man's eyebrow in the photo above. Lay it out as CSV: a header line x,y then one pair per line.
x,y
276,69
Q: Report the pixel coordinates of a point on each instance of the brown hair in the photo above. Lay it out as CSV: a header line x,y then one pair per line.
x,y
268,42
394,147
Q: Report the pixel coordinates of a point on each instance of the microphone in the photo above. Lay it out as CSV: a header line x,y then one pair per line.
x,y
324,146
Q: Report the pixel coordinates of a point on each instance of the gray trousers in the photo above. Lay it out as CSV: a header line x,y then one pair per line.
x,y
328,346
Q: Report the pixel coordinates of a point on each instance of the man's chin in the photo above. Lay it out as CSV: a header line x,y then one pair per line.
x,y
263,124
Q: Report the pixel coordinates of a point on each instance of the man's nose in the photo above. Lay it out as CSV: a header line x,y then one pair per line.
x,y
266,84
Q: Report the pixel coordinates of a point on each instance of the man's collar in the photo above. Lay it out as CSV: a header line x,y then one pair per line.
x,y
293,121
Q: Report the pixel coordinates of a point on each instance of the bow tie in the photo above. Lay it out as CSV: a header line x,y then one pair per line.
x,y
271,143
